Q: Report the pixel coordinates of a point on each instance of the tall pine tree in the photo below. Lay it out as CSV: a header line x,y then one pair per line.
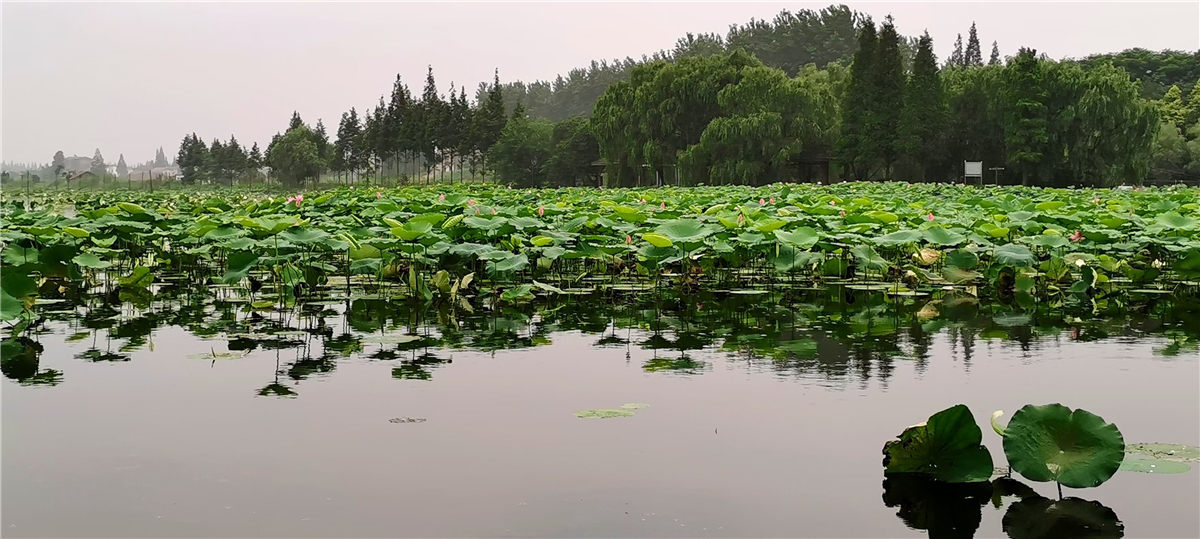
x,y
994,60
923,119
956,57
973,57
856,108
887,98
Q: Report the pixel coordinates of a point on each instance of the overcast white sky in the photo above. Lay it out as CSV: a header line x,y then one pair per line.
x,y
128,78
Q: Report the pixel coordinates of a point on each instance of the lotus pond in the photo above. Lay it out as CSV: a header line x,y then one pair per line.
x,y
479,361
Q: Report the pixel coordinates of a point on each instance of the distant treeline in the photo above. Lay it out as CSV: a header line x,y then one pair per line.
x,y
823,94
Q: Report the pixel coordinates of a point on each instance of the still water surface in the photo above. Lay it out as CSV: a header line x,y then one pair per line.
x,y
766,416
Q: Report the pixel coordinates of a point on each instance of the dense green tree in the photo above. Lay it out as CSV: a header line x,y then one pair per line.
x,y
887,99
192,160
519,157
853,145
957,58
573,150
1026,131
698,45
1192,109
488,122
255,158
976,117
1171,108
767,121
924,114
795,39
347,154
98,166
994,59
296,156
295,121
213,165
402,126
973,56
59,163
1155,70
1169,156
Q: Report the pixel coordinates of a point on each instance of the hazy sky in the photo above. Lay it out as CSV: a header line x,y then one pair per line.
x,y
128,78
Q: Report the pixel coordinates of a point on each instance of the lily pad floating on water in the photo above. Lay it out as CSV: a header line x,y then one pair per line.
x,y
1159,458
946,447
1075,448
634,406
603,414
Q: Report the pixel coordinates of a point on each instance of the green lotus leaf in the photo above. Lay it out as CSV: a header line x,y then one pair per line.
x,y
90,260
899,237
1054,443
1013,254
684,230
657,240
946,447
940,236
868,258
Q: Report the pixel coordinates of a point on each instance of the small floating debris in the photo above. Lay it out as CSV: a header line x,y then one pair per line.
x,y
603,414
406,420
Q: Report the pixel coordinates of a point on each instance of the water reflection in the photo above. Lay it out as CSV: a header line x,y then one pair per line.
x,y
834,333
954,510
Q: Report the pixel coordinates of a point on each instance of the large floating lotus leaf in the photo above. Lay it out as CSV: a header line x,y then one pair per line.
x,y
868,258
1037,517
940,236
90,260
946,447
899,237
1054,443
684,230
804,237
1175,221
1013,254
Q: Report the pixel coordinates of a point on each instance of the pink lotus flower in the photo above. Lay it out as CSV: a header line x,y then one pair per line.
x,y
299,198
1076,237
741,219
929,217
771,200
662,206
442,196
1096,200
471,202
493,211
541,212
843,212
351,187
833,203
643,201
762,202
378,194
628,238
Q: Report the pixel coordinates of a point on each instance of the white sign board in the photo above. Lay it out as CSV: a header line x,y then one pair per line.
x,y
973,169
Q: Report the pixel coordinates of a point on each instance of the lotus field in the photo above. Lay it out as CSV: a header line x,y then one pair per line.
x,y
1022,244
